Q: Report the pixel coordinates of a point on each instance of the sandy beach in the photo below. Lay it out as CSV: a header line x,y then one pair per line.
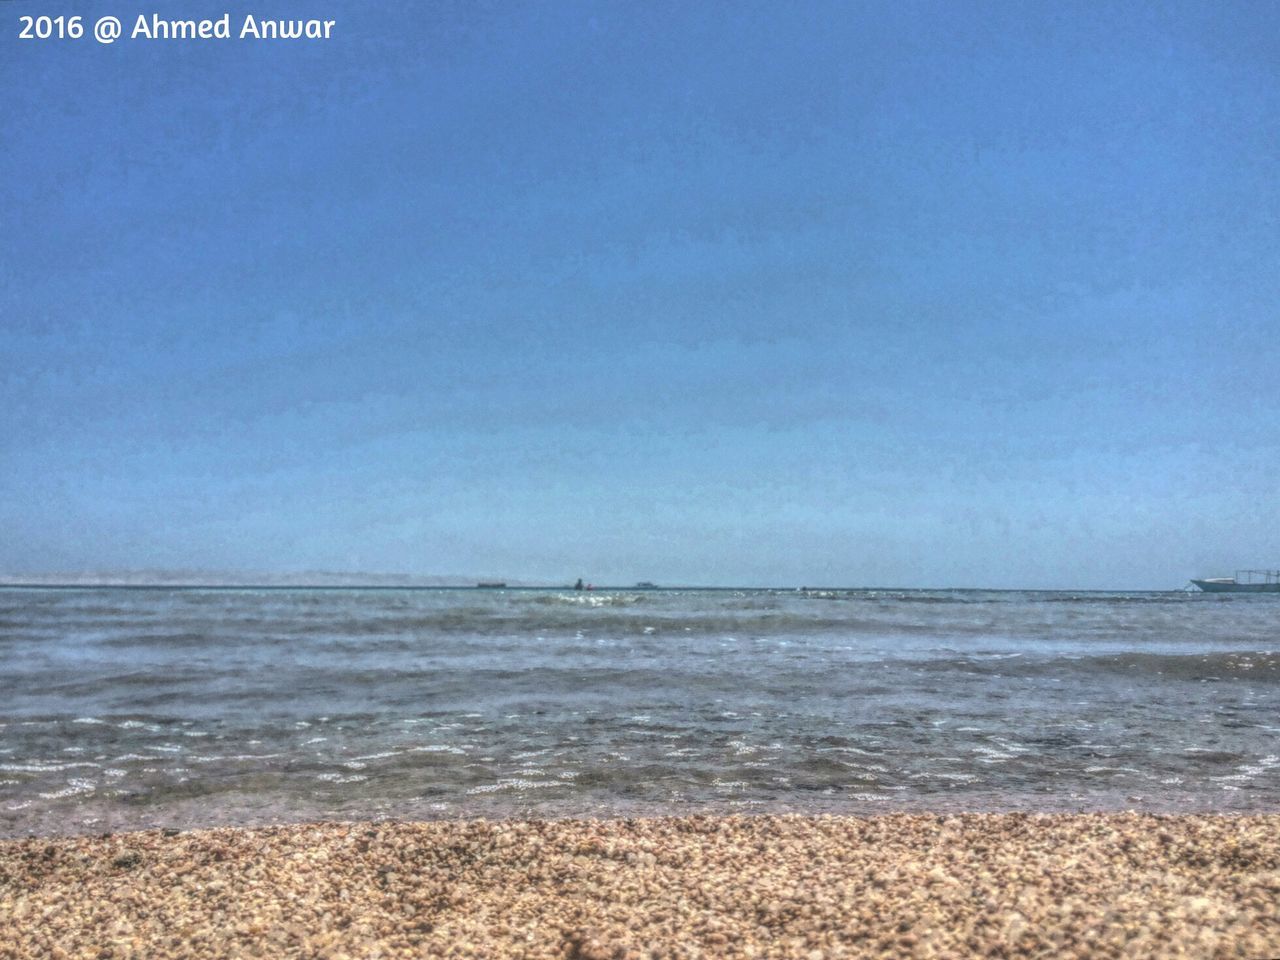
x,y
1005,885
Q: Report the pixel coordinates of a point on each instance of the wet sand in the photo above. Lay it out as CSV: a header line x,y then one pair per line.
x,y
1009,885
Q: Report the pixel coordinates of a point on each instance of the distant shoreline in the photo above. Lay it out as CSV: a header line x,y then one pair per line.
x,y
602,588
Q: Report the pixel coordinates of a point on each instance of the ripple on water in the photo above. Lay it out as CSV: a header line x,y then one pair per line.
x,y
577,701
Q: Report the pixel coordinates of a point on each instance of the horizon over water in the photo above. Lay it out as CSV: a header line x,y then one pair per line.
x,y
130,706
325,580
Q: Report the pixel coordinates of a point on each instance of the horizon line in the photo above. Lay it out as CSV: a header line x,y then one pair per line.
x,y
499,586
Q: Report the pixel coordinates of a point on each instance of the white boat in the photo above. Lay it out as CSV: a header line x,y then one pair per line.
x,y
1245,581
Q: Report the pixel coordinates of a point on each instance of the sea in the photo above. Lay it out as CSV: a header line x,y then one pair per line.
x,y
125,708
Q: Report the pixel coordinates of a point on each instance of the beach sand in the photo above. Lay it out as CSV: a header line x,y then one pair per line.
x,y
1011,885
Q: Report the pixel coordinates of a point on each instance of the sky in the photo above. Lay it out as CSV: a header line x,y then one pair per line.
x,y
893,294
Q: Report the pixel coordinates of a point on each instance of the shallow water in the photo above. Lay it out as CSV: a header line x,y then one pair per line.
x,y
127,707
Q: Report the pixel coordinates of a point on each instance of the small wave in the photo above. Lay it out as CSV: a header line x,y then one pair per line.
x,y
49,766
439,748
1176,596
1262,666
74,788
235,758
515,783
1249,771
587,599
949,777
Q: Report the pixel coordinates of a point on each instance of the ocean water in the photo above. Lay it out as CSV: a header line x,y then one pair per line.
x,y
124,708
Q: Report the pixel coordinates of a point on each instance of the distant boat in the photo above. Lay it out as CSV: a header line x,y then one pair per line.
x,y
646,585
493,585
1245,581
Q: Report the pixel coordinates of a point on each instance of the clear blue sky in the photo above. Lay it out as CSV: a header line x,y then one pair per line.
x,y
899,294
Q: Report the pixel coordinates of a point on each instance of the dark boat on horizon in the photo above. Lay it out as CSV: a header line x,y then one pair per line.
x,y
1245,581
